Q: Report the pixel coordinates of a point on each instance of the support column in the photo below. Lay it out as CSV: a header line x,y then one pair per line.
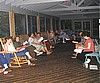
x,y
99,36
45,24
55,25
27,23
12,22
59,24
51,27
38,23
99,31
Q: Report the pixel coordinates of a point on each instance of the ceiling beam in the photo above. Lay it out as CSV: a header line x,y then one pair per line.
x,y
71,8
63,5
16,2
8,1
60,14
26,2
80,3
2,1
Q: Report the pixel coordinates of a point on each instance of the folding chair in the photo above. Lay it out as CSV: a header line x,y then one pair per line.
x,y
16,61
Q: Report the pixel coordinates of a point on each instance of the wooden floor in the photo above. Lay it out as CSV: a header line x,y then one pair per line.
x,y
58,67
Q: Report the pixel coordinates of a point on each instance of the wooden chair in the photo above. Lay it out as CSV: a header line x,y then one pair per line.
x,y
16,61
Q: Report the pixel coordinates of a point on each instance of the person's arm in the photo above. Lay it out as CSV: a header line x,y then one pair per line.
x,y
88,47
5,48
15,44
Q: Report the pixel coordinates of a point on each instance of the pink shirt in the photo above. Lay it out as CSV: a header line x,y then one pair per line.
x,y
89,40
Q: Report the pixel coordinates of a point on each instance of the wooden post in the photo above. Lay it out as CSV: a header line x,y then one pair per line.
x,y
12,23
38,23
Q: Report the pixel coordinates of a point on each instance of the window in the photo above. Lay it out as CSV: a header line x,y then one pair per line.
x,y
48,27
42,24
53,24
4,24
86,25
32,24
78,26
20,24
96,28
57,24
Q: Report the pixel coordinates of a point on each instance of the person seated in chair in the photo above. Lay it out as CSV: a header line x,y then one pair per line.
x,y
88,46
10,49
30,39
4,63
79,45
36,42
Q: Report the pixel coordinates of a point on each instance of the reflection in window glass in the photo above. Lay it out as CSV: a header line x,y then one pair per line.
x,y
57,24
48,24
86,25
32,24
4,24
20,24
62,24
53,24
95,28
68,24
42,24
77,25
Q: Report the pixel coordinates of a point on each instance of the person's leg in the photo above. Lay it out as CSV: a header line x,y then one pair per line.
x,y
64,40
32,50
47,51
8,57
75,55
26,52
3,62
81,56
23,54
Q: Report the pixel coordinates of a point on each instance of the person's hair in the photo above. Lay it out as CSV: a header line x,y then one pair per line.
x,y
85,33
80,31
17,36
7,38
30,34
39,33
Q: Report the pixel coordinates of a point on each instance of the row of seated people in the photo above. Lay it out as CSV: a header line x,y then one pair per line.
x,y
39,43
83,46
14,45
8,51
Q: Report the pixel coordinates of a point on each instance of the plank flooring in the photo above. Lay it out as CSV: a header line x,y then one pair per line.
x,y
58,67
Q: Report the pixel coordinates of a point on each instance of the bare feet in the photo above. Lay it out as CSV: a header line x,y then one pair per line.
x,y
32,59
48,53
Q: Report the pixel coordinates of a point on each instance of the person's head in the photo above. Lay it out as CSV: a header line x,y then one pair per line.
x,y
8,40
31,35
38,34
17,38
80,33
85,34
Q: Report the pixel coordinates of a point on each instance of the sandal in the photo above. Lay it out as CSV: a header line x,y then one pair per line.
x,y
32,59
